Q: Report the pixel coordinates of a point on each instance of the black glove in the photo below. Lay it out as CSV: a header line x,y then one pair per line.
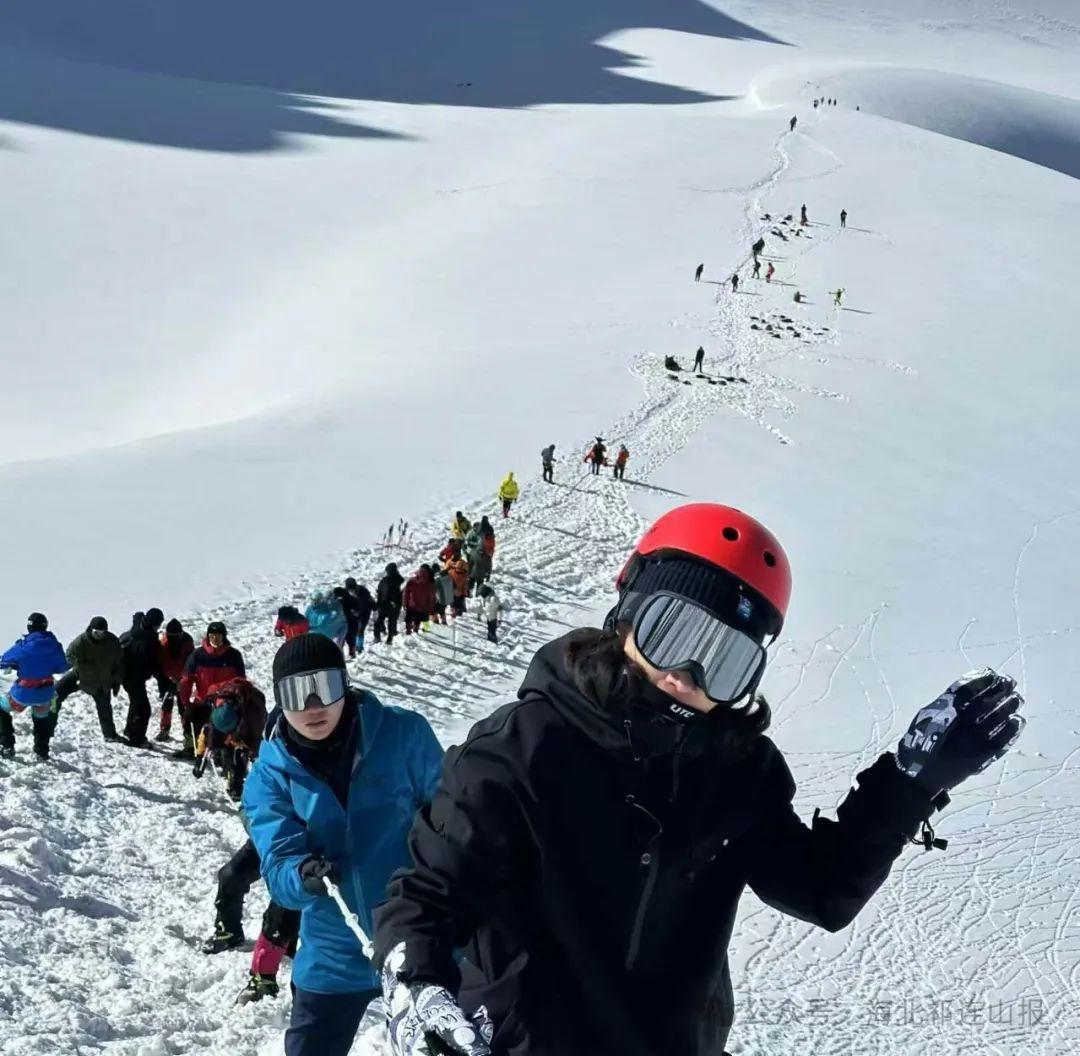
x,y
200,765
961,733
312,872
116,690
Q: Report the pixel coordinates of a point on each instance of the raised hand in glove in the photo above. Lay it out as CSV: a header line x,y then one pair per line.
x,y
971,724
314,871
425,1020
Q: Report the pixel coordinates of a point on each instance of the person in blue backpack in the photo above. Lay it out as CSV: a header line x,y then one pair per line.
x,y
332,795
35,659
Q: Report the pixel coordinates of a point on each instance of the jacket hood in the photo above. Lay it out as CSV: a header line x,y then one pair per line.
x,y
632,715
34,637
393,573
548,675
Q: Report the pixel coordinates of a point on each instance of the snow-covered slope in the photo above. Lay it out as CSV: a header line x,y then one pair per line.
x,y
303,317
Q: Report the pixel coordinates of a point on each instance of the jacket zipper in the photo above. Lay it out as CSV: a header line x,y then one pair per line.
x,y
650,859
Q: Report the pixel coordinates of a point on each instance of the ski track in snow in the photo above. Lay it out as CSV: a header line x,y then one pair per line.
x,y
108,857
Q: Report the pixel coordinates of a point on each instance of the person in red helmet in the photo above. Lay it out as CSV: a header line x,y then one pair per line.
x,y
588,844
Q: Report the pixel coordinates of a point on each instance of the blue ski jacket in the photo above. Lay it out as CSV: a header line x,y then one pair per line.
x,y
35,659
292,815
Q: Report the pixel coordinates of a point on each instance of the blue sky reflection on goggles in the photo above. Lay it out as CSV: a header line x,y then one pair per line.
x,y
327,686
674,634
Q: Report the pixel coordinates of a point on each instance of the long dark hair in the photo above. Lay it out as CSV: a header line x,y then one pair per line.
x,y
600,669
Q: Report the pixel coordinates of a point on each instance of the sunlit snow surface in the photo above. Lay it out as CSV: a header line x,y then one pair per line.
x,y
306,317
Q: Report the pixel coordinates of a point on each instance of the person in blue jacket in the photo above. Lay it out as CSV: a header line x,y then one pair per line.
x,y
34,659
332,794
326,616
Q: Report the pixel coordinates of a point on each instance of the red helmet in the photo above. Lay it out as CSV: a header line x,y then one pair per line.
x,y
726,538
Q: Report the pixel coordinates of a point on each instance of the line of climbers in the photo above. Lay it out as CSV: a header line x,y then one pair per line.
x,y
596,457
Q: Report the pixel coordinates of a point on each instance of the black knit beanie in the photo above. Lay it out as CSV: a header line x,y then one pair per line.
x,y
98,623
307,652
724,595
154,618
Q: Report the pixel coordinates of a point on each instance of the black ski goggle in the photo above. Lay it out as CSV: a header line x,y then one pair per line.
x,y
326,687
674,634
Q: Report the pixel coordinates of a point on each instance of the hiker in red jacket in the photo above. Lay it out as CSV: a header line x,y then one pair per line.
x,y
214,662
419,597
175,645
450,552
619,472
291,623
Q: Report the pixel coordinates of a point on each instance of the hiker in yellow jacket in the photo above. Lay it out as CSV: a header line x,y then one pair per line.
x,y
508,492
460,525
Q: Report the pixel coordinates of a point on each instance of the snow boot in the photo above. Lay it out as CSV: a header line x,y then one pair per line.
x,y
162,735
258,987
223,939
187,751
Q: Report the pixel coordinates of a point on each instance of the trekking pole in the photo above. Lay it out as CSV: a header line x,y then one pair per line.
x,y
351,919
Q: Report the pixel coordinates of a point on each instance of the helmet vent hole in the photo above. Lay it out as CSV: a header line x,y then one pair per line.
x,y
731,534
770,558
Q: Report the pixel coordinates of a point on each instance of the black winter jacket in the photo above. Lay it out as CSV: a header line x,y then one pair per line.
x,y
589,860
389,592
139,646
358,606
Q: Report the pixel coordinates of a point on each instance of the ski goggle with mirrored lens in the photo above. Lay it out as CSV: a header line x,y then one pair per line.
x,y
674,634
294,691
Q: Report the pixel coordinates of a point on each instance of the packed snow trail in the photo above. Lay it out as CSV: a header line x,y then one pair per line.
x,y
108,857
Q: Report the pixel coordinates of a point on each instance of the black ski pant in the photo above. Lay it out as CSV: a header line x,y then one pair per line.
x,y
619,472
413,619
352,628
549,473
386,623
493,626
138,714
69,684
234,768
325,1024
235,879
43,731
594,467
